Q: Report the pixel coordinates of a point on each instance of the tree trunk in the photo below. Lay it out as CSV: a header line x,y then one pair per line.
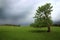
x,y
48,29
47,23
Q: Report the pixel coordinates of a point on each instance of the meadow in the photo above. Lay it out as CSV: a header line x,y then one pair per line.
x,y
28,33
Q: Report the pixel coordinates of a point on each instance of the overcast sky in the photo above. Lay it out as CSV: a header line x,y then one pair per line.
x,y
22,11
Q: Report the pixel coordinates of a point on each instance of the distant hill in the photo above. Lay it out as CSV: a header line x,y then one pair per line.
x,y
9,25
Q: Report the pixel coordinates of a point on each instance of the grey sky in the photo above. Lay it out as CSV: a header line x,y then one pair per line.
x,y
22,11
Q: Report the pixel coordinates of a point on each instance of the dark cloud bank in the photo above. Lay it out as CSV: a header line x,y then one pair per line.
x,y
18,12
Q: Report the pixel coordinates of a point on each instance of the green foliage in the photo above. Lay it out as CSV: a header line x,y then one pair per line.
x,y
43,16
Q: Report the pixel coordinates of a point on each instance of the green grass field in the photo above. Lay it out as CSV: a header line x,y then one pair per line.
x,y
28,33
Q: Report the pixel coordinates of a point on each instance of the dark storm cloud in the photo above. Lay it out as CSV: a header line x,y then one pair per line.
x,y
22,11
17,11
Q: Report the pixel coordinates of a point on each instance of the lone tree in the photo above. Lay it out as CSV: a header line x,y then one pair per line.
x,y
43,16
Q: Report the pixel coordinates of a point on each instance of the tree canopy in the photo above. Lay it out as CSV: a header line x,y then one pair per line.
x,y
43,16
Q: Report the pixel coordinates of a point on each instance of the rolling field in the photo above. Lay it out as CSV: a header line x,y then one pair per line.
x,y
28,33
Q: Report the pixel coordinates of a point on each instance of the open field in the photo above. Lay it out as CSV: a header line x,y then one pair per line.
x,y
28,33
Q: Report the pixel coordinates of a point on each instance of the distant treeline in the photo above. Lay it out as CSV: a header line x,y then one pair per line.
x,y
56,24
10,25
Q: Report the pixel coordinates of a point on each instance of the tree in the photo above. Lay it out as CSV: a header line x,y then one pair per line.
x,y
43,16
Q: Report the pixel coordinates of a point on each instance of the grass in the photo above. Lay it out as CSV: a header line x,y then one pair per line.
x,y
28,33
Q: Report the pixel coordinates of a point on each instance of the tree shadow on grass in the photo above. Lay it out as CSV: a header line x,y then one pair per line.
x,y
38,31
